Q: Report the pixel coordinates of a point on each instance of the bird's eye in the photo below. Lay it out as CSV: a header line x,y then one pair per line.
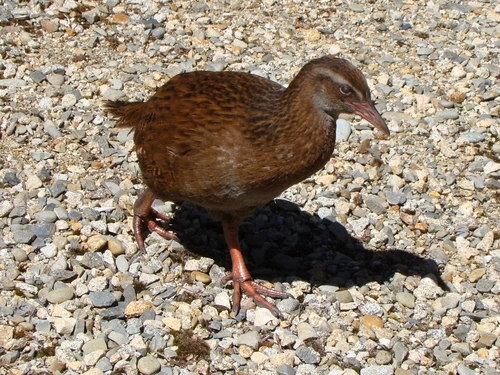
x,y
346,90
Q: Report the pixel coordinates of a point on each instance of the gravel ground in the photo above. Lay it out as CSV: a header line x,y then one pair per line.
x,y
391,252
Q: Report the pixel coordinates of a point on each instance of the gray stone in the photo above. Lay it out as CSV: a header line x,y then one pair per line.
x,y
94,344
484,285
288,305
112,94
474,137
355,7
158,33
307,355
157,343
376,204
24,236
93,260
102,299
400,352
46,216
119,338
251,339
12,82
424,51
91,16
285,370
395,197
43,230
377,370
51,129
450,114
328,290
37,76
464,370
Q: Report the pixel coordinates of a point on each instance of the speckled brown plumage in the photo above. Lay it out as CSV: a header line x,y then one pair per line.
x,y
231,142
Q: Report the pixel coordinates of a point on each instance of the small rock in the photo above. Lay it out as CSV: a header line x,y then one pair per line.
x,y
55,79
343,296
307,355
148,365
464,370
5,208
137,308
372,321
115,246
172,323
288,305
383,357
60,295
222,299
250,339
102,299
263,316
376,204
447,115
377,370
449,301
285,370
344,130
94,344
406,299
64,326
306,331
19,255
121,18
424,51
68,100
97,242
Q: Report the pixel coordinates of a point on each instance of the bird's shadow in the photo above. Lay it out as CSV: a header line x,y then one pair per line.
x,y
281,242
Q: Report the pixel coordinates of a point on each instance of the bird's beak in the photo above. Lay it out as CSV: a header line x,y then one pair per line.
x,y
368,111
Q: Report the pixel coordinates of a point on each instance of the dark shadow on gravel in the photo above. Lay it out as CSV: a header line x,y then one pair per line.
x,y
281,242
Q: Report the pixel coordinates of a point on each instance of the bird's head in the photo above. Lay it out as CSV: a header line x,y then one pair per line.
x,y
339,87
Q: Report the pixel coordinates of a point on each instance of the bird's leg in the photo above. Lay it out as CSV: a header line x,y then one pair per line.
x,y
242,281
144,213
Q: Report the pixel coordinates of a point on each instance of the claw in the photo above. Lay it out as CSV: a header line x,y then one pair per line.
x,y
242,281
145,214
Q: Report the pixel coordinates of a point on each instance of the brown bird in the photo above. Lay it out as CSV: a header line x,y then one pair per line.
x,y
231,142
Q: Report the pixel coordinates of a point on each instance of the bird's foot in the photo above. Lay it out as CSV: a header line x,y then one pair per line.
x,y
255,290
150,219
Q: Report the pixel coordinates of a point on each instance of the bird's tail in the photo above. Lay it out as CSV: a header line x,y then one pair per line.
x,y
128,114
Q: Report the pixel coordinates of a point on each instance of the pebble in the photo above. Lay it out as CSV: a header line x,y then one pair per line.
x,y
372,321
377,370
406,299
305,331
307,355
94,345
137,308
250,339
60,295
343,130
102,299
